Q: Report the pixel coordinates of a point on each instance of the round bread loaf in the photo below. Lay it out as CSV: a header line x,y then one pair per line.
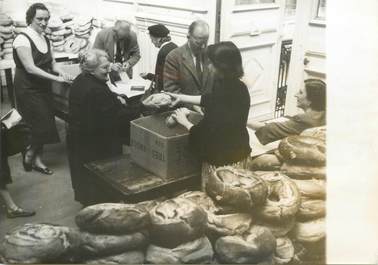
x,y
176,221
198,251
303,171
303,150
5,20
7,36
237,188
265,162
311,209
130,257
112,218
7,29
284,251
311,188
278,229
55,23
72,45
317,132
254,246
35,243
227,224
283,198
310,232
201,199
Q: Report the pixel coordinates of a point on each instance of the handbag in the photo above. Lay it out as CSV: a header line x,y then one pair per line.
x,y
15,135
17,138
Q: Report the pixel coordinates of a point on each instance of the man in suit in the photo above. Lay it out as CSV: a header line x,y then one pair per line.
x,y
186,68
160,38
120,43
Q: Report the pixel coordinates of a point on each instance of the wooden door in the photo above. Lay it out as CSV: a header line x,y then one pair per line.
x,y
308,51
255,26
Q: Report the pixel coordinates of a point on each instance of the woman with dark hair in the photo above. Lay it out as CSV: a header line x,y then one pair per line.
x,y
312,100
35,65
98,120
221,137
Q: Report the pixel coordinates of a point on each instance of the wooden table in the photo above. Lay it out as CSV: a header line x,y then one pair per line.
x,y
122,180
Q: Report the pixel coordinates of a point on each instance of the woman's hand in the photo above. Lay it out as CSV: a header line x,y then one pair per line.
x,y
67,77
175,98
180,115
122,100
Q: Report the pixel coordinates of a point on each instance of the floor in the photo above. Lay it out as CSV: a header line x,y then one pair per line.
x,y
50,196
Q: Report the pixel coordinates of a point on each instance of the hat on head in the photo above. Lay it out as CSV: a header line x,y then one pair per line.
x,y
158,30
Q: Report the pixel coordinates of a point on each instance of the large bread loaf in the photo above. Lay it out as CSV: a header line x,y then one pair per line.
x,y
108,218
92,245
227,224
303,150
266,162
201,199
283,199
35,243
303,171
311,188
256,245
238,188
130,257
278,229
177,221
284,252
310,232
311,209
197,251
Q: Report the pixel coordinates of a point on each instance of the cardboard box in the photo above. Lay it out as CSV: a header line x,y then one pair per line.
x,y
161,150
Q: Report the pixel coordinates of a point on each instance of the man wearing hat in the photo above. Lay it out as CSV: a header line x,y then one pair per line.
x,y
159,35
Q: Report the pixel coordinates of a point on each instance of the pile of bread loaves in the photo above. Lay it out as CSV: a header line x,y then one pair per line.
x,y
69,35
7,35
246,216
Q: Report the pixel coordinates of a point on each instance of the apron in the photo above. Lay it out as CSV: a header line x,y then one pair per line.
x,y
34,96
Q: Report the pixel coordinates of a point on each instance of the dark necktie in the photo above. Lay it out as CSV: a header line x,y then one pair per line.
x,y
198,67
118,56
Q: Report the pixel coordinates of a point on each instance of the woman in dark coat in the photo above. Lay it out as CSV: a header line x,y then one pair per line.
x,y
97,121
34,66
159,35
221,138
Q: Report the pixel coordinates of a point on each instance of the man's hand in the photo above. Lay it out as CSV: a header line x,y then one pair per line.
x,y
116,67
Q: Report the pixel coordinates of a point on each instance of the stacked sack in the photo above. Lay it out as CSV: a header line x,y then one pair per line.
x,y
177,233
7,35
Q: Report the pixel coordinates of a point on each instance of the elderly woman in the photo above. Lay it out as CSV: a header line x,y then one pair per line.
x,y
221,137
34,71
98,119
311,99
160,38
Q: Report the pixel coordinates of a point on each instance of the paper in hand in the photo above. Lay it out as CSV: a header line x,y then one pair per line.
x,y
11,119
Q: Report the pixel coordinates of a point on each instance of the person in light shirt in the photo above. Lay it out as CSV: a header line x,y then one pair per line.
x,y
35,69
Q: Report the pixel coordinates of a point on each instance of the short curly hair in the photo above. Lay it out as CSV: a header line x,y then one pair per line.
x,y
32,10
89,60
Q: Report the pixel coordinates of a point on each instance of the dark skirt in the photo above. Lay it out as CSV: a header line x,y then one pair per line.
x,y
36,109
81,150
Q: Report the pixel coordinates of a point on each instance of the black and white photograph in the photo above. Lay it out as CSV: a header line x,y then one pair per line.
x,y
189,132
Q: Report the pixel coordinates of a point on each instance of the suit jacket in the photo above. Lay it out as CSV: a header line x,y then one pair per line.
x,y
105,40
180,75
159,67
